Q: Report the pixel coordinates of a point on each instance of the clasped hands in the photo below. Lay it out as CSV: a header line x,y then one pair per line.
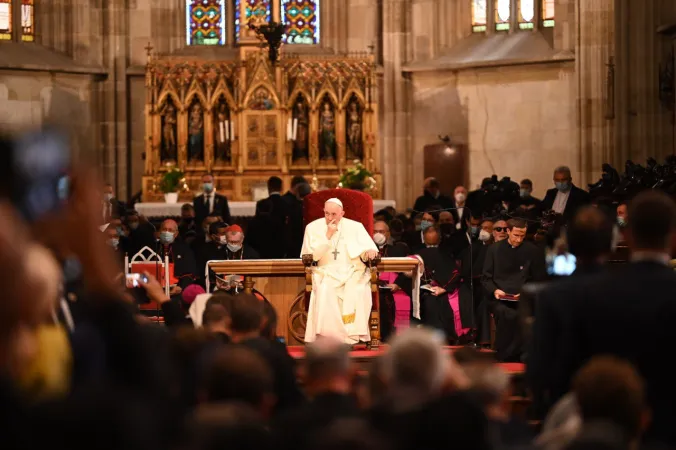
x,y
438,290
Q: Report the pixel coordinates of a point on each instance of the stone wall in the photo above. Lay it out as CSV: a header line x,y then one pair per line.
x,y
516,121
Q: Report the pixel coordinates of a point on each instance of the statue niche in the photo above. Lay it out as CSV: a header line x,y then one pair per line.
x,y
168,148
327,130
301,144
222,132
353,130
196,132
261,101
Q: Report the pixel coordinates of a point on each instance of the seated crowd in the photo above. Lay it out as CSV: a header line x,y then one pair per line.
x,y
81,367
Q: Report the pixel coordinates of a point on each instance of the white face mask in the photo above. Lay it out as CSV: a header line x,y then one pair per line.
x,y
107,197
379,239
484,236
460,197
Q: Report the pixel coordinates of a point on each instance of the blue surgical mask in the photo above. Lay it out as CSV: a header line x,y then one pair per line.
x,y
208,187
167,237
114,242
621,221
120,231
425,224
562,186
475,231
234,247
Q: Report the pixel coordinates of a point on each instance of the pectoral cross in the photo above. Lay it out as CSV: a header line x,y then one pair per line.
x,y
335,254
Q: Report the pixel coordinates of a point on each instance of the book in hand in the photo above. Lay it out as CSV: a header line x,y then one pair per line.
x,y
509,298
427,287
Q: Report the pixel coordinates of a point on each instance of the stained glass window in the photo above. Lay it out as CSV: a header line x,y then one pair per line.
x,y
5,20
301,18
205,21
547,13
526,14
479,16
502,14
27,21
254,8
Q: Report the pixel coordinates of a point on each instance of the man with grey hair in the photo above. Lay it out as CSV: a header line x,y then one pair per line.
x,y
328,381
416,366
426,391
565,198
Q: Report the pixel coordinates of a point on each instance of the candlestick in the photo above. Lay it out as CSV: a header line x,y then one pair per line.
x,y
289,130
221,131
226,127
232,130
295,128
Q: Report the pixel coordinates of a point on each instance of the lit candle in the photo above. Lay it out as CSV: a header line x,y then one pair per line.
x,y
227,129
289,130
221,131
295,128
232,130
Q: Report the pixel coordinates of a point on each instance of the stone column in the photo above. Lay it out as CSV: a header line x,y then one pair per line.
x,y
114,96
394,92
594,50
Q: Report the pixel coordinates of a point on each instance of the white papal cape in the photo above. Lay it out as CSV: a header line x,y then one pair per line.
x,y
340,302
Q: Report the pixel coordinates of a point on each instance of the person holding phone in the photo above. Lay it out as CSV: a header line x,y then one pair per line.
x,y
508,266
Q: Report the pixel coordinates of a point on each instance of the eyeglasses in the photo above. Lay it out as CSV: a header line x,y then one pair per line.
x,y
500,229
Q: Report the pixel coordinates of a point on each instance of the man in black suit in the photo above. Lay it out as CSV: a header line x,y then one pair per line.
x,y
209,202
295,228
270,222
292,194
590,236
329,383
630,312
180,254
565,198
111,207
432,198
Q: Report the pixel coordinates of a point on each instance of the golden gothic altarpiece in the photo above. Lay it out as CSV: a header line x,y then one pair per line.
x,y
248,119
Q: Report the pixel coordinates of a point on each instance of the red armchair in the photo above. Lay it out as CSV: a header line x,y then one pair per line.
x,y
358,206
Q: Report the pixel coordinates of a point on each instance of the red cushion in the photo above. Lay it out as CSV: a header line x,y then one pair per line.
x,y
357,205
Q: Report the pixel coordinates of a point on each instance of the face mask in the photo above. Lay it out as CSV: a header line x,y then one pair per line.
x,y
524,193
437,194
621,221
208,187
425,224
484,235
562,186
475,231
379,239
107,197
188,220
120,231
460,197
114,243
223,240
447,228
418,227
133,225
167,237
234,247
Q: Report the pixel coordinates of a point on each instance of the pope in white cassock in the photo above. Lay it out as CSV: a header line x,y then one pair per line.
x,y
340,303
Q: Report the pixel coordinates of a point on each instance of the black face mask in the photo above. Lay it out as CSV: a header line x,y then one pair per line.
x,y
447,229
188,220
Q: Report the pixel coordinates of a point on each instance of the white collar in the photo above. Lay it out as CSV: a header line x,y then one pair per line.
x,y
275,193
651,256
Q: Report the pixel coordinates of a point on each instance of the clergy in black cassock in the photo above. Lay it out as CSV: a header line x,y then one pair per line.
x,y
509,265
235,247
390,283
441,308
214,250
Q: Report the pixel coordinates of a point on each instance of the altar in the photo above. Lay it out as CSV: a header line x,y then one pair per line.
x,y
246,116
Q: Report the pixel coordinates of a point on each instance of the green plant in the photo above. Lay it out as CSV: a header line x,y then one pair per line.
x,y
171,181
356,177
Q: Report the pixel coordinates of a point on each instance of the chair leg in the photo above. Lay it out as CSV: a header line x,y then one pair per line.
x,y
374,323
